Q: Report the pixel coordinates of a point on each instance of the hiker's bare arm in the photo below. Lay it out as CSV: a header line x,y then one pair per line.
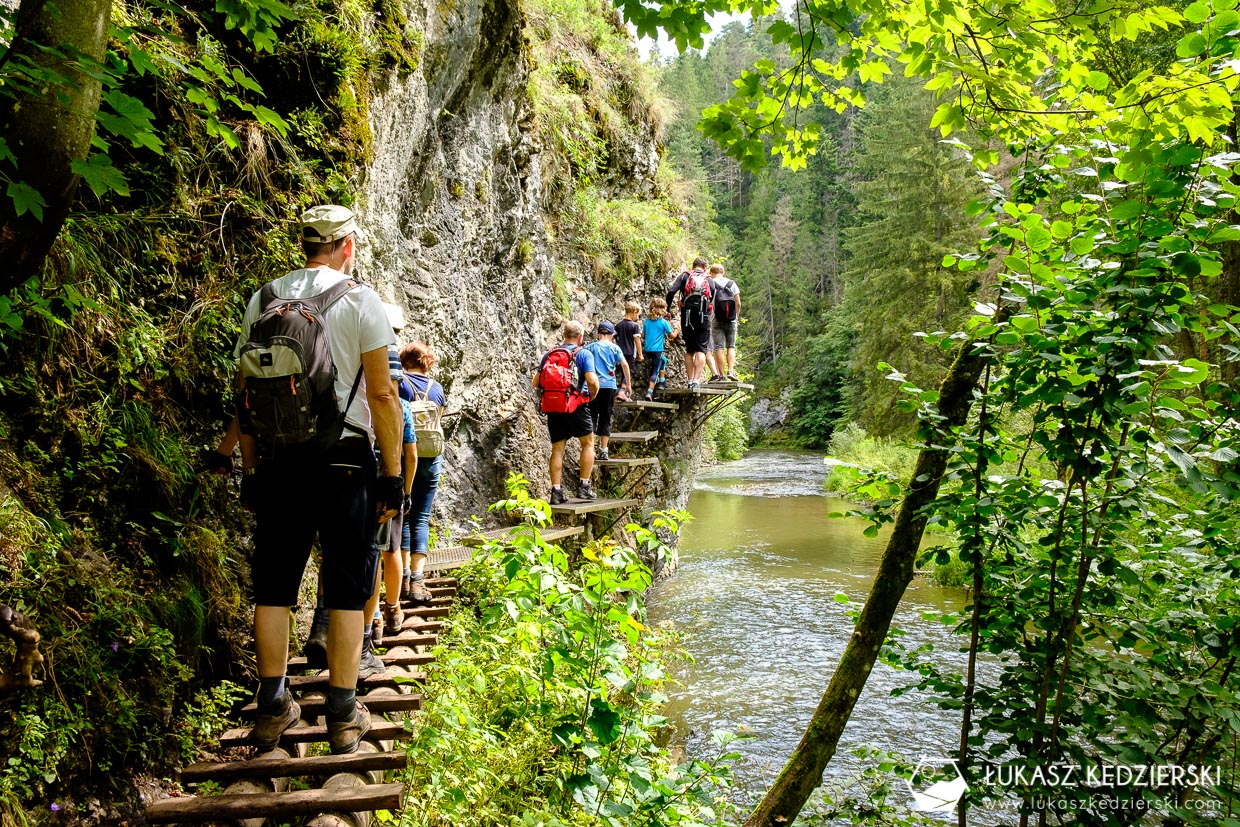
x,y
536,379
637,346
738,305
249,448
231,437
384,409
411,465
592,383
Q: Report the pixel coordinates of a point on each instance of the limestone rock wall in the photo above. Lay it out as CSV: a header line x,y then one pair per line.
x,y
453,207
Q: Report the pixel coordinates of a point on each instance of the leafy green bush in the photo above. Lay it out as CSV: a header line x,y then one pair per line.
x,y
724,437
543,705
853,447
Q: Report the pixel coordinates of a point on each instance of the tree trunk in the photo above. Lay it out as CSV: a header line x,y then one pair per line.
x,y
803,772
47,132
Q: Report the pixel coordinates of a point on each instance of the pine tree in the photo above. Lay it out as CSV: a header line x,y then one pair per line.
x,y
911,202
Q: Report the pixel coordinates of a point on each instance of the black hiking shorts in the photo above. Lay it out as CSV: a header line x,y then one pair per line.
x,y
600,410
565,426
330,496
697,339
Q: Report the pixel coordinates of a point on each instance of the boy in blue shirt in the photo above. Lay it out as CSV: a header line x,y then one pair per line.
x,y
655,330
607,355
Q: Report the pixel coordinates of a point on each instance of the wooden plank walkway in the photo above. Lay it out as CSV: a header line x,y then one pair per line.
x,y
590,506
549,535
354,786
394,697
645,404
703,390
268,805
633,436
380,730
294,767
625,462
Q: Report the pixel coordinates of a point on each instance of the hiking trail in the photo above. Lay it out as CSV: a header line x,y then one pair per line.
x,y
344,790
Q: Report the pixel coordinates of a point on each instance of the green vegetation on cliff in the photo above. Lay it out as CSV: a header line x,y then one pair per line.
x,y
602,123
118,353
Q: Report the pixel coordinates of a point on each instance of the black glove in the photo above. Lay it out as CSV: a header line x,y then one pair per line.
x,y
216,463
249,491
389,491
407,504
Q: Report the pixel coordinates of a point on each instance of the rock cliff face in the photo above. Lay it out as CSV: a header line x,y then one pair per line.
x,y
454,207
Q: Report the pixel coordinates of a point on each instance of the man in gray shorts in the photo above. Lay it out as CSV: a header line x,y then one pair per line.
x,y
723,323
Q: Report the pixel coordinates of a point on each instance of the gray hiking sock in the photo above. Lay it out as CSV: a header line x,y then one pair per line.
x,y
340,703
269,691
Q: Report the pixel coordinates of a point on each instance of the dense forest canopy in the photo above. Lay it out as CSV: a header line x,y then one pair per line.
x,y
1036,202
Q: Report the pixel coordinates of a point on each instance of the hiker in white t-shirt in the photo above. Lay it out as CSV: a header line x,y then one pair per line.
x,y
724,322
326,486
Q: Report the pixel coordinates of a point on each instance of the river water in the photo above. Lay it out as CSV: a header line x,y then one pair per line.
x,y
755,600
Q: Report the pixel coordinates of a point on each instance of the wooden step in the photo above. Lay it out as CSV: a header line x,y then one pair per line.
x,y
732,386
448,557
549,535
294,767
298,665
590,506
264,805
408,637
633,436
380,730
422,610
625,462
307,683
702,390
380,704
562,532
416,627
647,405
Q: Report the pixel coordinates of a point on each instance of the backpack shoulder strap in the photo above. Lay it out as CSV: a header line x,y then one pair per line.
x,y
330,296
267,297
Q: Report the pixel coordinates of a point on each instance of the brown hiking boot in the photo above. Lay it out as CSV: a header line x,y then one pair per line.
x,y
418,593
376,631
369,665
344,736
393,619
269,727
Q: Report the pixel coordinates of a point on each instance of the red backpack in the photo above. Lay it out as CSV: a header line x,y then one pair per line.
x,y
697,299
559,380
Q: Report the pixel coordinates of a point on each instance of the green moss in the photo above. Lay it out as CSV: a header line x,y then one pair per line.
x,y
523,253
559,287
455,188
126,561
594,102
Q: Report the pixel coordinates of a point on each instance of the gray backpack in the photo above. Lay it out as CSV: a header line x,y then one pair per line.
x,y
289,396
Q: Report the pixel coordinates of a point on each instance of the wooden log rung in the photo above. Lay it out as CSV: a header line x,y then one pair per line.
x,y
380,730
422,610
293,767
266,805
313,708
307,683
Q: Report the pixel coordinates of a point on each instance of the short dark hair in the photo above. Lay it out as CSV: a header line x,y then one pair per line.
x,y
314,249
700,263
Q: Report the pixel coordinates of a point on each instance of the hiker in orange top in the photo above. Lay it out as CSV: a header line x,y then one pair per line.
x,y
567,380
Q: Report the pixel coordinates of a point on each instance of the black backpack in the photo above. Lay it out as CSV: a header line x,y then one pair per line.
x,y
289,396
725,299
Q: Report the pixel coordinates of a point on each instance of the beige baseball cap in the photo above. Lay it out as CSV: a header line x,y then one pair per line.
x,y
327,222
